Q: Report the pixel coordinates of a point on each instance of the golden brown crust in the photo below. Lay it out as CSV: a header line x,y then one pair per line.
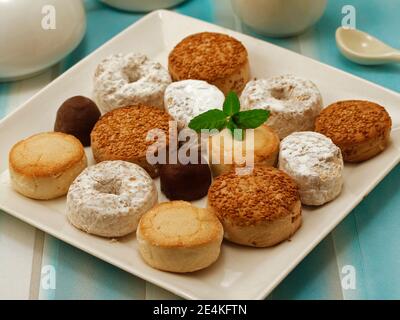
x,y
178,224
266,194
268,152
121,134
212,57
234,82
265,233
264,146
360,128
353,121
46,154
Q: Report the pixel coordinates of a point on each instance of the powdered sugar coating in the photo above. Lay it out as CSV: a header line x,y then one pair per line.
x,y
316,165
187,99
123,80
108,199
294,102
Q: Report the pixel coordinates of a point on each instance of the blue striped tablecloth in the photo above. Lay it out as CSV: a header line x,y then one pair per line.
x,y
368,239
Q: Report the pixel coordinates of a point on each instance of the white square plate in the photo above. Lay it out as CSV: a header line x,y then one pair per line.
x,y
241,272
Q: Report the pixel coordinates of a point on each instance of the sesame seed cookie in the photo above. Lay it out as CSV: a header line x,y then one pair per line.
x,y
260,209
213,57
361,129
122,135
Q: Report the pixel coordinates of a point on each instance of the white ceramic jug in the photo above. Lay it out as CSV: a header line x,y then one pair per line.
x,y
36,34
279,18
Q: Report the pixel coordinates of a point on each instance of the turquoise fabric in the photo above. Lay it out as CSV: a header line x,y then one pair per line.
x,y
367,239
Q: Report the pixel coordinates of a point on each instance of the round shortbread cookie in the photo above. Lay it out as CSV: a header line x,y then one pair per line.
x,y
178,237
260,147
43,166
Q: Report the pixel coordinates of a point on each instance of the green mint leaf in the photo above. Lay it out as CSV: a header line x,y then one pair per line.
x,y
231,104
237,133
212,119
251,119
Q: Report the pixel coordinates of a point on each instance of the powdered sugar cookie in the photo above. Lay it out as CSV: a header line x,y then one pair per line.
x,y
186,99
123,80
108,199
316,165
294,102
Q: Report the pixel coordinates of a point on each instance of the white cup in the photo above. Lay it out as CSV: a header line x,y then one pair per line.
x,y
142,5
279,18
31,40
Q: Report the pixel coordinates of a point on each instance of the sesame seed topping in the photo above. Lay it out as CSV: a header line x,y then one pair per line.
x,y
122,132
265,194
207,56
353,121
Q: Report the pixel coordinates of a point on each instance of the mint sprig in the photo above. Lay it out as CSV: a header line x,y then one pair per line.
x,y
212,119
237,133
251,119
230,117
231,104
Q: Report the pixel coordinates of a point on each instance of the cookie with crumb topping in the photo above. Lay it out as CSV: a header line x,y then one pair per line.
x,y
217,58
260,209
122,134
361,129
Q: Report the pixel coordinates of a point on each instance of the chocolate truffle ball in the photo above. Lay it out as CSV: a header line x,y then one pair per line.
x,y
77,116
186,182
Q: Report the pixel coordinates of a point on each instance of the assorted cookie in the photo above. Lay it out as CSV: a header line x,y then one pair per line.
x,y
260,148
43,166
294,102
185,181
145,112
129,79
260,209
179,237
77,116
315,164
361,129
108,199
122,134
217,58
186,99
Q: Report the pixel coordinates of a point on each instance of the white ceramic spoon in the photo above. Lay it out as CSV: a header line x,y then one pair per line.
x,y
362,48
